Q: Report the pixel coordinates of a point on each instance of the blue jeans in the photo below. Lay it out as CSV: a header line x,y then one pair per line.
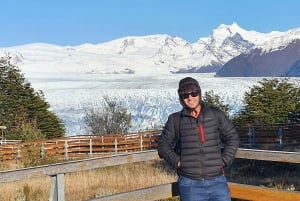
x,y
215,189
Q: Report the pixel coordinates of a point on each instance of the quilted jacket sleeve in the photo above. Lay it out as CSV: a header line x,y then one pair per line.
x,y
230,138
166,143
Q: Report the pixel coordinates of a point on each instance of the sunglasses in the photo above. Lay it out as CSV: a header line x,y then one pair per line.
x,y
186,95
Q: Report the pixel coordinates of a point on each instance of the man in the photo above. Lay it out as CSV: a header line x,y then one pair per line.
x,y
198,134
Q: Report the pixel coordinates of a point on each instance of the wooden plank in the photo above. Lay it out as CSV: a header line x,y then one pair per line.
x,y
255,193
267,155
152,193
247,192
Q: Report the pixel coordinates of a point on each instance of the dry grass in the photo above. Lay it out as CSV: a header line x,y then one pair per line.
x,y
265,173
9,165
25,190
89,184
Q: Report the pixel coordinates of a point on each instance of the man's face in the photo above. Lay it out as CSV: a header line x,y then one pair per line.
x,y
191,99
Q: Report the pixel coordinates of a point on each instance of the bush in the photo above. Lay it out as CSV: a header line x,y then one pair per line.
x,y
112,118
272,101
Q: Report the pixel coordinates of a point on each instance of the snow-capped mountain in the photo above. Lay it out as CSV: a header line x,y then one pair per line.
x,y
278,56
259,62
151,54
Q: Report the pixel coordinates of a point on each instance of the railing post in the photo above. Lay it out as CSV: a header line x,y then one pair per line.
x,y
57,190
19,153
116,146
141,142
66,150
56,147
42,150
280,133
250,137
91,148
102,141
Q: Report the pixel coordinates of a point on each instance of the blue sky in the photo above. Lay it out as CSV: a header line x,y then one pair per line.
x,y
74,22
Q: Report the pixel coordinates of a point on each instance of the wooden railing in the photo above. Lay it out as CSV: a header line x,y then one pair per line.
x,y
57,172
268,136
78,147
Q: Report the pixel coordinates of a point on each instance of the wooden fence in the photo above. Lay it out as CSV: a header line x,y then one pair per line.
x,y
78,147
57,171
269,136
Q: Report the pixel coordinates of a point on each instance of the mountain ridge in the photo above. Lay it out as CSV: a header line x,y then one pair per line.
x,y
162,53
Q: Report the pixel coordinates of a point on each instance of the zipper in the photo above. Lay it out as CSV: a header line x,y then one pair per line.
x,y
201,132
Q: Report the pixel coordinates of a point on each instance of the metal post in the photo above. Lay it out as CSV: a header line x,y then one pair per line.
x,y
250,137
280,133
57,192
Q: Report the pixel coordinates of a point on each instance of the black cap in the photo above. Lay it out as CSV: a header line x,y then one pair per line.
x,y
188,84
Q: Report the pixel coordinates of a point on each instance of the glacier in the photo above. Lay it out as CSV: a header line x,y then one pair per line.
x,y
149,98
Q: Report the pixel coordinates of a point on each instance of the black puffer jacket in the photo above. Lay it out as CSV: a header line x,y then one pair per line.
x,y
200,153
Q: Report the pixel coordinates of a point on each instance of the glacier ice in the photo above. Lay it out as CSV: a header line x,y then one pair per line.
x,y
149,98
